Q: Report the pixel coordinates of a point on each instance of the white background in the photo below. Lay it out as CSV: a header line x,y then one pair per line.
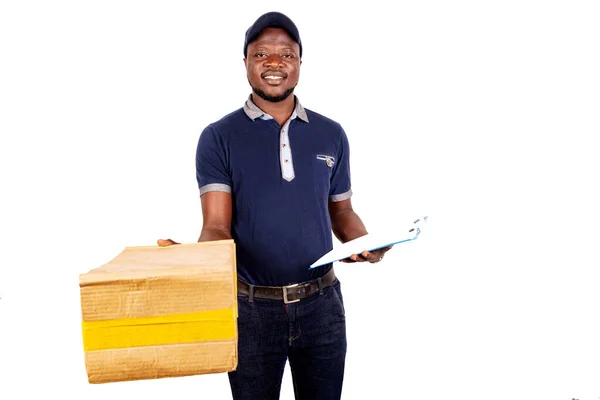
x,y
480,114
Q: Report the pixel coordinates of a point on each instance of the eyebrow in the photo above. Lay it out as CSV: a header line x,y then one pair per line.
x,y
280,48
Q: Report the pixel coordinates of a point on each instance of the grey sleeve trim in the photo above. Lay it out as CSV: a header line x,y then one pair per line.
x,y
341,197
215,187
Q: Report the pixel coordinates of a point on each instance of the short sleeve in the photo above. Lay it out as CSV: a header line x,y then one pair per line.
x,y
341,188
212,172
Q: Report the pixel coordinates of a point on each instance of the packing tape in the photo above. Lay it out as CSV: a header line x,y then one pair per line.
x,y
161,330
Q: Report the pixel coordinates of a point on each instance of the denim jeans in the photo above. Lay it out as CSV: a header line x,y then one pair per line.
x,y
311,334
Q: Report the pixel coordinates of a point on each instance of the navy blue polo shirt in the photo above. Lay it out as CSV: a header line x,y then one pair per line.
x,y
281,179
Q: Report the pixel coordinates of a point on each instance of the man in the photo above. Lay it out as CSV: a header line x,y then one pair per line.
x,y
275,177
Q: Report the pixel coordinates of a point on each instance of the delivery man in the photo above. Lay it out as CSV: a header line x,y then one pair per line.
x,y
275,177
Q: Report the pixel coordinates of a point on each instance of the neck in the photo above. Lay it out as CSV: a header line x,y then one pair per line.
x,y
280,111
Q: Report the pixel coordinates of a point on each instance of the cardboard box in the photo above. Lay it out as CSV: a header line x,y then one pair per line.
x,y
155,312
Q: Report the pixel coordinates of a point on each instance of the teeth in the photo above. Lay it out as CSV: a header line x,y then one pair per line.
x,y
273,77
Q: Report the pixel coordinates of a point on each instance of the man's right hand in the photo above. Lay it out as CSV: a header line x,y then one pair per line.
x,y
166,242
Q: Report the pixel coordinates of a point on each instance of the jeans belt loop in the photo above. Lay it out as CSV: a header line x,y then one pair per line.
x,y
250,293
320,284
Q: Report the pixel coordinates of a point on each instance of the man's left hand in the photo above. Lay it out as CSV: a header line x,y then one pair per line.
x,y
370,256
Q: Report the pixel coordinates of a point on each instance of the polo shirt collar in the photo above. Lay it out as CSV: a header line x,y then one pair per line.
x,y
253,112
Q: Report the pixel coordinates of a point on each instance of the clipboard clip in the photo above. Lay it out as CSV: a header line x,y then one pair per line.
x,y
419,222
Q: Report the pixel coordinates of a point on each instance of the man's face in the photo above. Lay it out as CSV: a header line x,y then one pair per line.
x,y
273,64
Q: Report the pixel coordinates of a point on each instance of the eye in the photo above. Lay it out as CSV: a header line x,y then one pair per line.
x,y
260,54
288,56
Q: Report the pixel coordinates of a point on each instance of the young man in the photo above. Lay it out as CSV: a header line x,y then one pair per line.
x,y
275,177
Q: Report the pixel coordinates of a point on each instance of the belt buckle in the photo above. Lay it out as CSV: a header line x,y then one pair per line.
x,y
285,298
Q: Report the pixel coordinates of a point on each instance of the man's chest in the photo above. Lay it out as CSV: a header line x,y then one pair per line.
x,y
266,160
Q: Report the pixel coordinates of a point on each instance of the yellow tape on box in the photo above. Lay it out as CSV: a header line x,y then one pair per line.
x,y
167,329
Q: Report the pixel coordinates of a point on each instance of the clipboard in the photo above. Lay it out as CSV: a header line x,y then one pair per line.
x,y
372,242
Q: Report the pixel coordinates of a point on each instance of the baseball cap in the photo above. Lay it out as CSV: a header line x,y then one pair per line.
x,y
275,20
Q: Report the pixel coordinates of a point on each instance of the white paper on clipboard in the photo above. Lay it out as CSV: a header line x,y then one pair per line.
x,y
372,242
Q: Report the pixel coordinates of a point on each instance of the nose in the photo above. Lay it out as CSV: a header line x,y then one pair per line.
x,y
273,60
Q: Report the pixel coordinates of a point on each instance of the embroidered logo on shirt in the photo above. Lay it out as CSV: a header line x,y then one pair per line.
x,y
328,159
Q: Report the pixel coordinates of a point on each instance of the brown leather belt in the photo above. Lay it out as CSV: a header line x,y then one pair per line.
x,y
289,293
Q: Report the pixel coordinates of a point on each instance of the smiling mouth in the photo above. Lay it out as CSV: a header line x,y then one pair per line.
x,y
273,80
274,77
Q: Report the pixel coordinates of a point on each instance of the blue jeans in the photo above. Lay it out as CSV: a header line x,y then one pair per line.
x,y
310,333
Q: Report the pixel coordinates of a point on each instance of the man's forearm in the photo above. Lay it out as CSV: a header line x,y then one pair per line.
x,y
213,233
347,226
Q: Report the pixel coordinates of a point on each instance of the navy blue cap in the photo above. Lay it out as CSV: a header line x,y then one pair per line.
x,y
272,20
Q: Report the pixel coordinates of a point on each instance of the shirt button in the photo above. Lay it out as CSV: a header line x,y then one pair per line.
x,y
286,160
284,145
